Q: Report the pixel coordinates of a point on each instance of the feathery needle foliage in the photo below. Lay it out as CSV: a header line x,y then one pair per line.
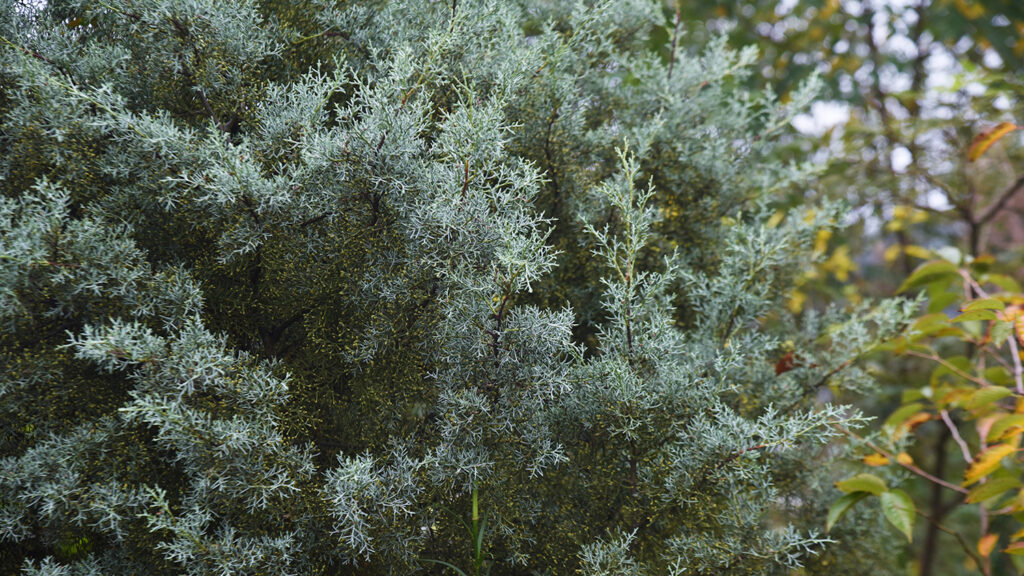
x,y
281,282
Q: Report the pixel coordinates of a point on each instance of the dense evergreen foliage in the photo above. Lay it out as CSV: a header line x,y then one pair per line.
x,y
328,287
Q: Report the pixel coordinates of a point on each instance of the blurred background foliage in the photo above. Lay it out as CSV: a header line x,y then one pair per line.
x,y
917,132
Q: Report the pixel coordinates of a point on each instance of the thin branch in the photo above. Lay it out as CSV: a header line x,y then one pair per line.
x,y
877,99
959,538
956,436
675,41
892,458
1018,370
315,219
1018,377
185,35
950,193
1002,361
993,210
821,382
330,32
952,368
41,58
738,453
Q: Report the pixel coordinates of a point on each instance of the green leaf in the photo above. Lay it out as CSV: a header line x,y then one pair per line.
x,y
899,510
998,375
930,323
993,487
1003,281
1005,424
1000,332
974,315
987,462
928,272
912,395
942,300
985,304
960,363
986,396
841,506
863,483
901,415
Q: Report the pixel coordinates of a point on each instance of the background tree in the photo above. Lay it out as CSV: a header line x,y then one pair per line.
x,y
912,85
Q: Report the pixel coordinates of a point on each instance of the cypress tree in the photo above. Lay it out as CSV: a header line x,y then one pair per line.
x,y
327,287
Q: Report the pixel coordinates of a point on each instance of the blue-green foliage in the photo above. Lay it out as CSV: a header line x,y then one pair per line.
x,y
283,283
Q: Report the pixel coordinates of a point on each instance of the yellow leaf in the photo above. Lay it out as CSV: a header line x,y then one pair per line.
x,y
992,488
852,293
875,460
916,420
970,10
829,9
1004,427
1017,535
840,264
821,241
904,458
918,252
797,299
892,253
986,139
901,212
986,544
986,462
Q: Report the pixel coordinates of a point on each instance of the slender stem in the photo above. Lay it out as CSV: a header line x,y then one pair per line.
x,y
1017,369
959,538
675,41
1002,361
937,508
956,436
986,565
893,458
952,368
1000,202
476,508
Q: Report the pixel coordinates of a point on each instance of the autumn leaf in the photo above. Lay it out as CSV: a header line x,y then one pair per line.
x,y
994,487
986,462
1015,315
1017,549
1005,427
1017,535
986,544
876,460
986,139
785,364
